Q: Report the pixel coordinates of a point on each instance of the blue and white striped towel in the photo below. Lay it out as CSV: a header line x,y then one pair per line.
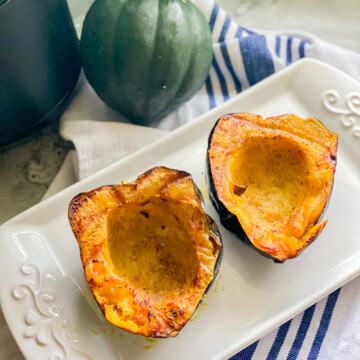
x,y
331,328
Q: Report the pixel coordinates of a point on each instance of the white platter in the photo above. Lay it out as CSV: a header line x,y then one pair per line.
x,y
43,292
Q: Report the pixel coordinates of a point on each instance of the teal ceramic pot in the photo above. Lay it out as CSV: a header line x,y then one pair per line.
x,y
39,64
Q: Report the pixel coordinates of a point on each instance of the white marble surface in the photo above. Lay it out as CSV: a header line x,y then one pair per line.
x,y
27,170
331,20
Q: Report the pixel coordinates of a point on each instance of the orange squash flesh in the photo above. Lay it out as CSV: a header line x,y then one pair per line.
x,y
275,176
146,249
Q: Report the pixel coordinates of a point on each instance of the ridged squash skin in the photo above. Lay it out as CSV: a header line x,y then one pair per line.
x,y
270,180
148,249
145,58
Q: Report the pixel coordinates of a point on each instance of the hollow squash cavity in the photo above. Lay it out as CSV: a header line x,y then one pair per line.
x,y
150,248
273,173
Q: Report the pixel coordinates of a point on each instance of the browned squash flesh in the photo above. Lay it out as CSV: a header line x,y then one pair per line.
x,y
275,175
146,249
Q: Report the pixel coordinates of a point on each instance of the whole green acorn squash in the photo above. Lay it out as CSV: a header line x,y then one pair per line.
x,y
145,58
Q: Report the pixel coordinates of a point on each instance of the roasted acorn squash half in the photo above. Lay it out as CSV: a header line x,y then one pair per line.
x,y
270,179
149,250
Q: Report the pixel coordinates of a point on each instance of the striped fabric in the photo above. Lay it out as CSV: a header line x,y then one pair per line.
x,y
288,341
242,58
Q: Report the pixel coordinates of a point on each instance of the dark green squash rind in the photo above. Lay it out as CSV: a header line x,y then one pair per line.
x,y
214,231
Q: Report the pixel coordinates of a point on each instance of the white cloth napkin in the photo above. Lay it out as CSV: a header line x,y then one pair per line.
x,y
327,330
100,143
